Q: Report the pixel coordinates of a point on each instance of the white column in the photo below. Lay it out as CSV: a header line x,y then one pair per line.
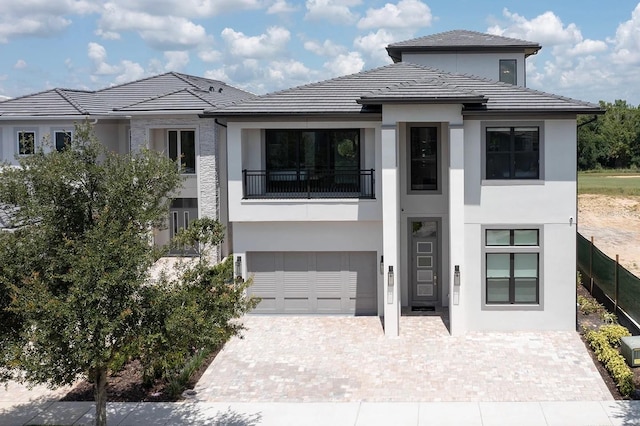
x,y
390,228
457,302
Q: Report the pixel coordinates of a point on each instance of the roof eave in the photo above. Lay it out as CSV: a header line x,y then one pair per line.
x,y
299,114
421,100
546,111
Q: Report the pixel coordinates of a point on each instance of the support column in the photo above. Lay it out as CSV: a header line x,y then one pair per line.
x,y
390,230
457,301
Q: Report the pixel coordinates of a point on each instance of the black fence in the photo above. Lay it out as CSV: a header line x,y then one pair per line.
x,y
605,275
286,184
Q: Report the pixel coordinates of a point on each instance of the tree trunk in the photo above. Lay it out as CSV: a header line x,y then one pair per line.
x,y
100,395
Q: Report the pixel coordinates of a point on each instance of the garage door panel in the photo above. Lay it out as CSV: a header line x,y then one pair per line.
x,y
314,282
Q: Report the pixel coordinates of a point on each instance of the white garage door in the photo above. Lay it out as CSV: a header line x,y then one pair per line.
x,y
314,282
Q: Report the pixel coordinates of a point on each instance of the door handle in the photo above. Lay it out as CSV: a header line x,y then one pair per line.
x,y
435,279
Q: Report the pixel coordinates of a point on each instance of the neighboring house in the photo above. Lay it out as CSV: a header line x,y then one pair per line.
x,y
161,113
437,181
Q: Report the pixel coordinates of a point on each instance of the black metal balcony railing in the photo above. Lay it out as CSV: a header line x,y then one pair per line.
x,y
285,184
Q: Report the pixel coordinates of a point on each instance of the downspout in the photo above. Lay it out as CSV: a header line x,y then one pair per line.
x,y
219,123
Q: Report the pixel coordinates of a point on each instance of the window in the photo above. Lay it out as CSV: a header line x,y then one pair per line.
x,y
512,153
61,139
423,158
313,150
26,142
182,149
512,266
508,71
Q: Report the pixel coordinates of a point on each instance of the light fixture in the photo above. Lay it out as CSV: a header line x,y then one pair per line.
x,y
390,283
456,275
239,267
381,265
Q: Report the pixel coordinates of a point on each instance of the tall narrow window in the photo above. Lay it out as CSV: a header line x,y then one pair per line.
x,y
61,139
424,158
26,143
182,149
508,71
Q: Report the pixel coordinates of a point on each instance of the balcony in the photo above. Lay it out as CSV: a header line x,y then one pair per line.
x,y
308,184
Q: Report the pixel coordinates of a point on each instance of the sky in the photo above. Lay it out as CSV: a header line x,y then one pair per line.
x,y
590,49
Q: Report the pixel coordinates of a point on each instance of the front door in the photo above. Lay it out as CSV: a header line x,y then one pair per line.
x,y
424,262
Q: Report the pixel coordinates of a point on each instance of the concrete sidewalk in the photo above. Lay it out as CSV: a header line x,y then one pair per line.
x,y
618,413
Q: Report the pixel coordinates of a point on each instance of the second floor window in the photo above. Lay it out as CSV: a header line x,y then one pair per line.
x,y
182,149
513,153
508,71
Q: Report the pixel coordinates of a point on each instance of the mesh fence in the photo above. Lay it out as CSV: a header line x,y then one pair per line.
x,y
603,272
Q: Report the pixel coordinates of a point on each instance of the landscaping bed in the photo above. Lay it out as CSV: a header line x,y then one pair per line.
x,y
127,385
592,318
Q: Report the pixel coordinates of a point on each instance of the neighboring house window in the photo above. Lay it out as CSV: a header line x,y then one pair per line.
x,y
512,266
26,142
62,139
512,153
423,158
508,71
182,149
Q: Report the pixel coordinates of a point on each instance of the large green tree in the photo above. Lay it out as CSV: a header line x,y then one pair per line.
x,y
74,271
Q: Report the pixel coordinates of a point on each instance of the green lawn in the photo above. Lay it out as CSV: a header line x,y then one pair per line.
x,y
610,182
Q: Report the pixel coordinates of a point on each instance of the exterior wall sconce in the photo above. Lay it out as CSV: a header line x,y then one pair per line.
x,y
381,265
390,284
456,285
239,267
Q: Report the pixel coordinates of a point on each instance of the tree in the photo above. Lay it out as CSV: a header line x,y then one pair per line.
x,y
73,275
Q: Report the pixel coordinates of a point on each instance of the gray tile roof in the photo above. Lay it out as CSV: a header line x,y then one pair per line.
x,y
457,40
404,82
152,92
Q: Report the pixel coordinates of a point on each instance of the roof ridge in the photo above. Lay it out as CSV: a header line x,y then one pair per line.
x,y
454,31
202,98
73,103
104,89
152,98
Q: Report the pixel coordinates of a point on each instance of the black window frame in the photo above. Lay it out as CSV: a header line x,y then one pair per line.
x,y
430,187
509,76
188,167
512,250
68,135
492,171
21,142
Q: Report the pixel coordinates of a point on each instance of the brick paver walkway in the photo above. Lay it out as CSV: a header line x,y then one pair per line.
x,y
343,359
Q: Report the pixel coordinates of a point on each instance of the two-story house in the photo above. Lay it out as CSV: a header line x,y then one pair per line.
x,y
437,182
160,113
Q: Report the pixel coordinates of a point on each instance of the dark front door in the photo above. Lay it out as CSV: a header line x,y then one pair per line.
x,y
424,262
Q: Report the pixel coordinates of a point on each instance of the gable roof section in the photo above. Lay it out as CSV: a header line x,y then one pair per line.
x,y
152,93
404,83
48,103
461,40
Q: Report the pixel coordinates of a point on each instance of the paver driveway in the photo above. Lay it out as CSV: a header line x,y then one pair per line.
x,y
333,358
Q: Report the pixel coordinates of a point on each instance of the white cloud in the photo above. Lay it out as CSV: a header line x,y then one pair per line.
x,y
263,46
129,71
546,29
209,55
335,11
39,18
98,55
327,48
627,40
20,64
281,6
284,72
405,14
587,47
176,60
188,8
125,71
344,64
374,44
162,32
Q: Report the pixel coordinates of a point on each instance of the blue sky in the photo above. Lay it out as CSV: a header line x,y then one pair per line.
x,y
591,49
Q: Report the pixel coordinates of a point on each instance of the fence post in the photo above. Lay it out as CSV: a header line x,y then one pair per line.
x,y
617,284
591,266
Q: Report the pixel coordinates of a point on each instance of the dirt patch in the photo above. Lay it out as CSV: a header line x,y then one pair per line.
x,y
614,222
127,385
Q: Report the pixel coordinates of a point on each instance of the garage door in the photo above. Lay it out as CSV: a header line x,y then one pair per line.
x,y
314,282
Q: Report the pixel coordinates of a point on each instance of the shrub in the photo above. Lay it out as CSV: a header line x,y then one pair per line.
x,y
601,341
589,306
